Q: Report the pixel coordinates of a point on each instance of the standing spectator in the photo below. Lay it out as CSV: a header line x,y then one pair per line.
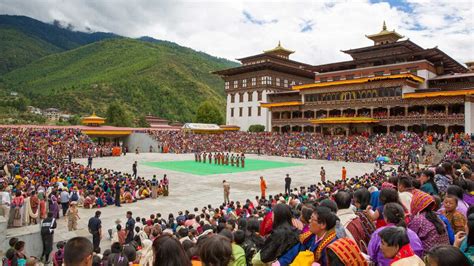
x,y
5,200
64,198
226,187
263,187
287,184
95,228
78,251
322,173
129,227
154,187
117,193
47,231
72,216
89,161
134,168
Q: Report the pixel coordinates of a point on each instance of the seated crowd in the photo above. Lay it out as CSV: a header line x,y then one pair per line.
x,y
409,217
37,176
356,148
404,218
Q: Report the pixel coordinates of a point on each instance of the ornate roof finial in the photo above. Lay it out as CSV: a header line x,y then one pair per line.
x,y
384,27
279,43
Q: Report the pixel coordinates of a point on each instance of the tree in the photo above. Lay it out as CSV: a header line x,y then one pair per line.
x,y
142,122
209,113
117,115
74,120
256,128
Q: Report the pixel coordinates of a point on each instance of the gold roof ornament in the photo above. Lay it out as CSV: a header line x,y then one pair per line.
x,y
279,49
385,36
93,120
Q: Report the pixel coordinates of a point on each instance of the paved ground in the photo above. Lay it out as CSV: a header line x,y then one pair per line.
x,y
188,191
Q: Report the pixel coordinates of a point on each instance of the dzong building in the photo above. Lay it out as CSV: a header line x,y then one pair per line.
x,y
392,85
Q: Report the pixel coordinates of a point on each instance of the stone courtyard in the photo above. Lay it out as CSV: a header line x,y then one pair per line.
x,y
188,191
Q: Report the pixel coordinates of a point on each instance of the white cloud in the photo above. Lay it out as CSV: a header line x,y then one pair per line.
x,y
222,28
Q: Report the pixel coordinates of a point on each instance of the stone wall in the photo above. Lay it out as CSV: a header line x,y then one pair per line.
x,y
142,141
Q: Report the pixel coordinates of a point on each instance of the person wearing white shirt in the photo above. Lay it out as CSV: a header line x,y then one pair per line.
x,y
5,201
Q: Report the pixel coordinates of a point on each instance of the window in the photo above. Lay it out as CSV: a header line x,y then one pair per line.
x,y
250,96
413,71
398,92
250,111
244,83
349,77
241,97
293,83
277,81
259,95
240,111
254,81
324,79
231,112
394,71
236,84
226,85
259,111
285,83
378,73
266,80
336,78
232,98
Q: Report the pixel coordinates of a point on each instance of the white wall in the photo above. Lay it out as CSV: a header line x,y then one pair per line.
x,y
426,75
469,117
142,141
244,121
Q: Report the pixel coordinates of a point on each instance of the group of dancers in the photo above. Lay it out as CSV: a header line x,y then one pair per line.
x,y
237,160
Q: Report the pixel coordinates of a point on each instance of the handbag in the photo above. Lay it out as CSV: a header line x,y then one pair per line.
x,y
304,258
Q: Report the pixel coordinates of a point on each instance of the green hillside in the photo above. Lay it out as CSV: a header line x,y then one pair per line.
x,y
19,49
166,80
24,40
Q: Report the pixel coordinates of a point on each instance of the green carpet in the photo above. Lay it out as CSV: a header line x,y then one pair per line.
x,y
196,168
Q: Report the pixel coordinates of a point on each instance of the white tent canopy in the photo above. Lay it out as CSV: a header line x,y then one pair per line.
x,y
198,126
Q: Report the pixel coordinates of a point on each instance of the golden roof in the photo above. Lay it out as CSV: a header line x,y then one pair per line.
x,y
344,120
417,95
384,33
230,127
279,48
269,105
358,81
93,119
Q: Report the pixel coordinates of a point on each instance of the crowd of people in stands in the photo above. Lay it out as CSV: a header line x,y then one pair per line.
x,y
410,217
38,176
357,148
405,218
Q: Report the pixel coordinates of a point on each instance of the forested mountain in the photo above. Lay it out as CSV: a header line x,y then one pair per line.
x,y
81,72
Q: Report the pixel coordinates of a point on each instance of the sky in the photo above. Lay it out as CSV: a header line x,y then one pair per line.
x,y
316,30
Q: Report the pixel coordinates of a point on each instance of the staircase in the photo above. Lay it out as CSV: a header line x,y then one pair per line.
x,y
437,155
